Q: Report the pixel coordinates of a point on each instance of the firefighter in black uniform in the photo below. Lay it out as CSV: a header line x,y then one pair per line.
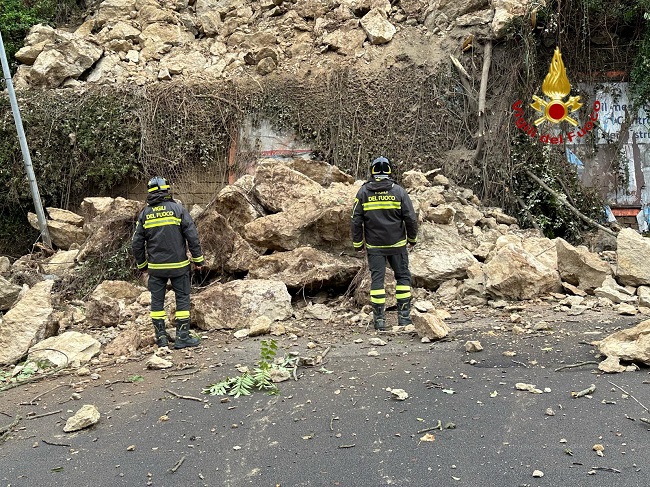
x,y
384,221
163,233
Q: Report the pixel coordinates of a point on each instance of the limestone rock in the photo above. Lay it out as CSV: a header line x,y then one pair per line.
x,y
224,250
61,262
9,293
611,290
306,267
39,36
277,186
260,326
237,304
87,416
321,172
579,267
632,263
65,216
106,303
67,56
70,348
377,27
513,273
126,343
429,325
63,235
632,344
433,263
28,322
238,205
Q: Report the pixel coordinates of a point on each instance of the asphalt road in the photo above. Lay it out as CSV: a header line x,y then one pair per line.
x,y
339,426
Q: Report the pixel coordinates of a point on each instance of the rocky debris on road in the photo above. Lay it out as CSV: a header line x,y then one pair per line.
x,y
288,268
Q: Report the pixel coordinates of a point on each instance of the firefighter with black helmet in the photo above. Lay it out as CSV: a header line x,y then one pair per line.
x,y
164,231
385,223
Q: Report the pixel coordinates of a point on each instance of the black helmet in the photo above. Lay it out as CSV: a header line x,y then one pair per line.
x,y
157,183
381,168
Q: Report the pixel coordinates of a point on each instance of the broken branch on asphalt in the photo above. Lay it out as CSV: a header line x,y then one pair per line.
x,y
579,364
625,392
180,396
584,392
178,465
6,430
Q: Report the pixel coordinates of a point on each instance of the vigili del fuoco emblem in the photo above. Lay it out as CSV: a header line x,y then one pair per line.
x,y
556,87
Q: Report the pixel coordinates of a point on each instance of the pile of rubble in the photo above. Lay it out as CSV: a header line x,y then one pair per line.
x,y
284,232
145,41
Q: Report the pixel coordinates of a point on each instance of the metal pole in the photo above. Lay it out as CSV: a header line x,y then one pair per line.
x,y
36,196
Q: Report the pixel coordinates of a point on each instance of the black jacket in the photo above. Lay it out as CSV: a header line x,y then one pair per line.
x,y
383,218
163,232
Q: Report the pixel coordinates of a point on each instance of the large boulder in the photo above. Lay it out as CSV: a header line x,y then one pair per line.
x,y
317,220
307,268
39,36
107,302
112,10
579,267
27,323
515,274
67,56
9,293
224,249
440,255
237,304
632,263
61,262
277,186
319,171
237,203
632,344
68,348
63,235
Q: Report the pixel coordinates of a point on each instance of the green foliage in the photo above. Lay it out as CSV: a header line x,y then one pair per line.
x,y
260,378
539,207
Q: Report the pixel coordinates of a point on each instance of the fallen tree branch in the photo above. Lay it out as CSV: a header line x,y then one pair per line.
x,y
464,79
31,403
189,398
625,392
6,430
178,464
44,414
580,364
487,61
563,200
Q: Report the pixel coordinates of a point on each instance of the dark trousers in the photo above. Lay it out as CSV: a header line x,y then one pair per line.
x,y
181,286
400,265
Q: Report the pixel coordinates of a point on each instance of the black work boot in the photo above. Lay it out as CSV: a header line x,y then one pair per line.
x,y
404,312
162,340
183,338
379,316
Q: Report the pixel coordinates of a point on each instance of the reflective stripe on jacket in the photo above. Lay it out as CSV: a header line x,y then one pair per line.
x,y
383,218
163,232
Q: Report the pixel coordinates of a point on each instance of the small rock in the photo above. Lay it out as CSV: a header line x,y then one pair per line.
x,y
377,342
549,412
87,416
472,346
157,363
399,394
243,333
538,473
373,353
